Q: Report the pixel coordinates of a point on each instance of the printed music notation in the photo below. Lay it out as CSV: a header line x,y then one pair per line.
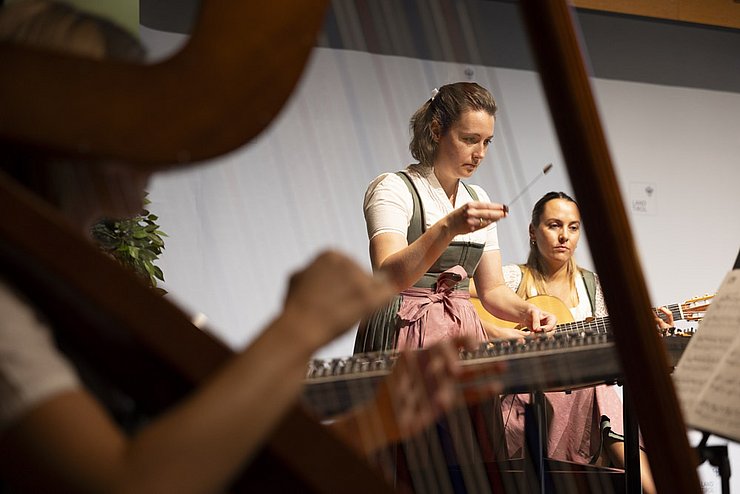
x,y
707,378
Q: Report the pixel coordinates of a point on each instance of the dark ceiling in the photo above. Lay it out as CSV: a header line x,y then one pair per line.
x,y
619,46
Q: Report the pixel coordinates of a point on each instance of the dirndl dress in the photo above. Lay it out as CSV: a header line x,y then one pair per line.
x,y
437,307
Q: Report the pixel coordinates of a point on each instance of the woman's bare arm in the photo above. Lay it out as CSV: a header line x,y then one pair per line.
x,y
404,263
502,302
198,446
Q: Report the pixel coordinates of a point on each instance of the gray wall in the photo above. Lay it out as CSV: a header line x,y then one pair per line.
x,y
490,32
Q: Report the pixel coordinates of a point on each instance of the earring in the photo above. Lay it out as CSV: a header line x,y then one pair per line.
x,y
532,242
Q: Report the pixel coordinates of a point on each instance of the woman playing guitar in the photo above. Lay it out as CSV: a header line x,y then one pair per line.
x,y
552,278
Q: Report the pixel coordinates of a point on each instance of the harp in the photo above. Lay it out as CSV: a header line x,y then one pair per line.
x,y
26,121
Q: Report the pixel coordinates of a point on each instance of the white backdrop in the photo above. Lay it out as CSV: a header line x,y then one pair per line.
x,y
240,225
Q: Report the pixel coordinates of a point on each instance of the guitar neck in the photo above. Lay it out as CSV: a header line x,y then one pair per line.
x,y
600,325
676,312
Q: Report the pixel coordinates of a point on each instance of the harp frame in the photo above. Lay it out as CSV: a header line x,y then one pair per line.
x,y
37,87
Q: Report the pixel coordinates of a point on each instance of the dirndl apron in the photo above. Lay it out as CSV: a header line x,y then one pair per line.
x,y
436,307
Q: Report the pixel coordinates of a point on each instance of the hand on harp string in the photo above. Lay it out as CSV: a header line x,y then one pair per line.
x,y
424,385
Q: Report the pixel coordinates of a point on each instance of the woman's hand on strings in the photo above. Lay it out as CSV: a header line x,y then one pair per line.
x,y
511,334
537,320
495,331
424,385
475,215
665,323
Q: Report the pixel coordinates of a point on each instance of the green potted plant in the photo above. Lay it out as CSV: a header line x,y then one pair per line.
x,y
135,242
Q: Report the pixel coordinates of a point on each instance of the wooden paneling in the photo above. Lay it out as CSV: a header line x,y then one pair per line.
x,y
715,12
664,9
725,13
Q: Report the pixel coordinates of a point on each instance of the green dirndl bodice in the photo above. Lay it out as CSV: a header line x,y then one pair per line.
x,y
379,331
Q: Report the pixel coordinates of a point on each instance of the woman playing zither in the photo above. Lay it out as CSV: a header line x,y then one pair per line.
x,y
429,232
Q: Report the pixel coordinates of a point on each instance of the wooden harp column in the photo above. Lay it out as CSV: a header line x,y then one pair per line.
x,y
565,79
239,66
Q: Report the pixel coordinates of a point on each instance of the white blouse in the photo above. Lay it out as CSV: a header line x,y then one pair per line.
x,y
32,370
513,277
389,206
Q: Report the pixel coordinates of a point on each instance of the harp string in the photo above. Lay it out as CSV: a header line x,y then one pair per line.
x,y
441,458
444,33
441,39
426,450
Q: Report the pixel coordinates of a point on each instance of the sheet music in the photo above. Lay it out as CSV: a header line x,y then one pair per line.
x,y
707,378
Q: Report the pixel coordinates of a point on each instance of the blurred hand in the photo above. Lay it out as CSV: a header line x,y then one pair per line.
x,y
331,294
425,384
666,323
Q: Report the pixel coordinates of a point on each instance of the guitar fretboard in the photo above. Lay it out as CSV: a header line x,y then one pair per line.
x,y
602,325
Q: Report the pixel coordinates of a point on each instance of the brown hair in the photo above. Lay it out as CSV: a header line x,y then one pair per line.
x,y
533,271
445,108
61,27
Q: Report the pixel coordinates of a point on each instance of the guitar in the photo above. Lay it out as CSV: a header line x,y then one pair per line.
x,y
690,310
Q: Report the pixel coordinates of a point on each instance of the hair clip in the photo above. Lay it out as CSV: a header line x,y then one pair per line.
x,y
435,92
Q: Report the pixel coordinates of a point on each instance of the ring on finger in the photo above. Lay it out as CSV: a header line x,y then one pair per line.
x,y
481,221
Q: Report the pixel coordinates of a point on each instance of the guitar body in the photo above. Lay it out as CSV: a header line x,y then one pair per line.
x,y
547,303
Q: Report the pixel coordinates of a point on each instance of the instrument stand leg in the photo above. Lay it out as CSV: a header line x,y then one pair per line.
x,y
535,433
633,481
717,457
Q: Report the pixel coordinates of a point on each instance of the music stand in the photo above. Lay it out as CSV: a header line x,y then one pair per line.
x,y
717,456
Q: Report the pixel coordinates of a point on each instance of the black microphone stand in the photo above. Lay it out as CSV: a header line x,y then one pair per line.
x,y
717,457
